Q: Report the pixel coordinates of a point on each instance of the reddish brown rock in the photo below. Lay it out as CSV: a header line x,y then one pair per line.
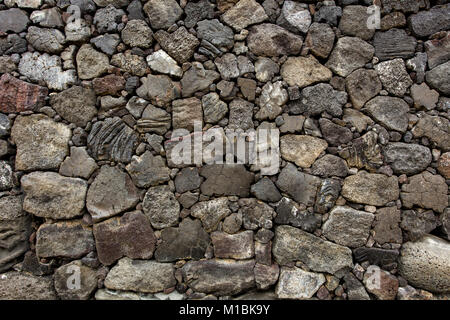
x,y
109,85
444,165
17,95
130,235
381,283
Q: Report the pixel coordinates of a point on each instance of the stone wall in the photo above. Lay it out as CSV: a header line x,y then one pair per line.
x,y
94,205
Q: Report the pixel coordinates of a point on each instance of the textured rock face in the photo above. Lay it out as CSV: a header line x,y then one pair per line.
x,y
134,160
424,263
41,142
221,277
140,276
49,195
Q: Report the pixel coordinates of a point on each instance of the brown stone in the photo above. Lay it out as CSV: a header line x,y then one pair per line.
x,y
17,95
444,165
386,227
109,85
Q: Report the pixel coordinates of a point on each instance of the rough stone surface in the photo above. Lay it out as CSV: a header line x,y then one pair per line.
x,y
226,180
394,77
87,281
161,207
301,149
243,14
296,283
211,212
313,71
21,286
238,246
362,85
407,158
389,111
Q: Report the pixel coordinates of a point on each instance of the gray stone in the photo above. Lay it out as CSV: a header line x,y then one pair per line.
x,y
266,275
424,264
273,97
354,22
329,166
237,182
296,283
49,18
386,226
424,96
82,290
91,63
211,212
407,158
348,227
219,277
64,240
162,13
438,78
137,34
112,140
141,276
6,176
77,31
154,120
161,207
227,66
425,190
438,50
265,190
364,152
319,98
148,170
179,44
394,43
302,187
237,246
187,113
335,134
41,142
127,236
425,23
12,44
355,289
215,33
78,164
292,244
418,223
394,77
197,79
256,214
196,11
188,241
16,224
46,40
159,89
131,63
76,105
320,39
22,286
107,19
389,111
49,195
434,128
111,193
289,212
371,189
349,54
160,61
214,109
328,14
265,69
187,180
327,195
241,113
362,85
106,43
243,14
14,20
294,17
271,40
376,256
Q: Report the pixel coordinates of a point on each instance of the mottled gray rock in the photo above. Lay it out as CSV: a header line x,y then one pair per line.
x,y
256,214
425,23
211,212
161,207
112,140
417,223
328,14
12,44
438,78
434,128
130,63
327,195
107,19
220,277
41,142
371,189
265,190
362,85
187,113
424,96
49,18
14,20
348,227
159,89
64,239
111,192
335,134
294,17
438,50
197,79
425,190
141,276
376,256
302,187
179,44
424,264
154,120
271,40
237,182
301,149
21,286
46,40
394,77
107,43
407,158
389,111
188,241
320,39
137,34
273,97
215,33
386,226
329,166
296,283
162,13
355,289
91,63
265,69
68,287
76,104
349,54
78,31
289,212
243,14
6,176
148,170
187,180
214,109
240,116
132,237
394,43
266,275
78,164
196,11
238,246
292,244
15,226
354,22
49,195
313,71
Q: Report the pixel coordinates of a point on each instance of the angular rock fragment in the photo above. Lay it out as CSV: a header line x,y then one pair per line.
x,y
238,246
21,286
313,71
394,43
91,63
265,190
306,283
186,113
417,223
438,78
137,34
240,115
434,128
407,158
425,23
46,40
386,226
162,13
301,149
320,39
355,22
389,111
214,109
243,14
161,62
179,44
211,212
226,180
197,79
294,17
154,120
362,85
148,170
82,288
161,207
213,31
159,89
256,214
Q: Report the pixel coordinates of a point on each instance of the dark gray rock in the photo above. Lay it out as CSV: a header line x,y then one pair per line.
x,y
394,43
14,20
237,182
418,223
354,22
425,23
329,166
335,134
162,13
256,214
265,190
389,111
289,212
327,195
161,207
239,246
438,78
407,158
148,170
179,44
82,290
215,33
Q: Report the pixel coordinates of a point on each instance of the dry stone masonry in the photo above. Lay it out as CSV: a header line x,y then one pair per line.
x,y
98,96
